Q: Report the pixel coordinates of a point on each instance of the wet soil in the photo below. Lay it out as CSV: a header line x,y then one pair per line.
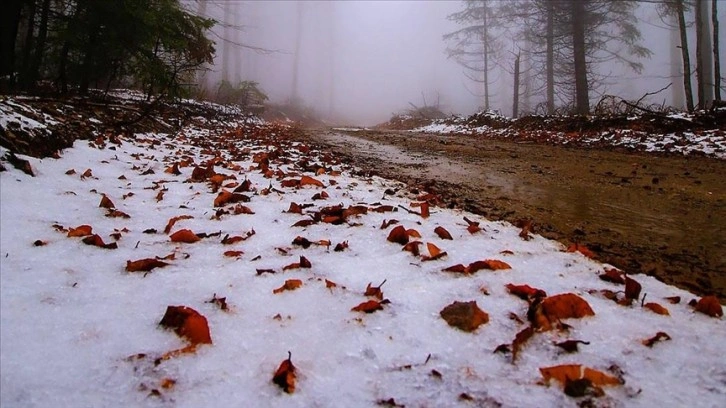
x,y
662,215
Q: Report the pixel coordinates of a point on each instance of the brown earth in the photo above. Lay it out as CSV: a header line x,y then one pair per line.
x,y
663,215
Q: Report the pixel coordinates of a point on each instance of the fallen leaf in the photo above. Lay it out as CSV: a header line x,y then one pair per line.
x,y
113,213
341,246
656,308
425,210
525,292
491,264
581,249
658,337
547,313
96,240
80,231
563,373
290,284
413,247
632,289
674,300
570,346
369,306
473,229
434,253
184,235
613,275
309,181
526,226
519,340
219,301
442,233
709,305
233,254
398,235
374,291
465,316
144,265
458,268
225,197
187,323
330,284
304,263
285,375
173,221
413,233
106,202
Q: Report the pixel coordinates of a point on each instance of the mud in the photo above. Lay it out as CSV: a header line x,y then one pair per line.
x,y
655,214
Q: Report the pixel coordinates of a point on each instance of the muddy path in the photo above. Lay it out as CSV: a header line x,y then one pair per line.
x,y
663,216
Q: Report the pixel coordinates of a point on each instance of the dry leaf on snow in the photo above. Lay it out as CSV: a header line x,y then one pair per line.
x,y
285,375
464,315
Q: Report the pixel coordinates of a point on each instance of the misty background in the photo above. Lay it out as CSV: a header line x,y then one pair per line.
x,y
359,62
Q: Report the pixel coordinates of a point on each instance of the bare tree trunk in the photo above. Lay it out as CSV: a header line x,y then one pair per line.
x,y
685,56
515,103
716,53
227,46
9,21
677,90
486,61
704,65
27,46
582,97
34,73
550,57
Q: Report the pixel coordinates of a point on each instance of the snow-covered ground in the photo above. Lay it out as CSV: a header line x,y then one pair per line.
x,y
78,330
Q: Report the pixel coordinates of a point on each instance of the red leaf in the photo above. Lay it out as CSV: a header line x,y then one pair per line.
x,y
184,235
413,247
95,240
656,308
285,375
425,210
233,253
491,264
632,289
519,341
368,307
525,292
187,323
398,235
613,275
581,249
80,231
658,337
144,265
173,221
458,268
309,181
710,305
290,284
374,291
442,233
465,316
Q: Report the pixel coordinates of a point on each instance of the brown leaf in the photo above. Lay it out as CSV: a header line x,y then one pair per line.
x,y
545,315
656,308
341,246
144,265
581,249
187,323
219,301
112,213
290,284
184,235
613,275
632,289
285,375
309,181
369,306
674,300
458,268
434,253
570,346
442,233
491,264
374,291
173,221
526,231
473,229
387,223
563,373
398,235
413,247
80,231
658,337
106,202
304,263
519,340
95,240
225,197
525,292
233,254
425,210
465,316
330,284
709,305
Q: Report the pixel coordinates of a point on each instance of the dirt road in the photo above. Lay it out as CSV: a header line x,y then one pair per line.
x,y
664,216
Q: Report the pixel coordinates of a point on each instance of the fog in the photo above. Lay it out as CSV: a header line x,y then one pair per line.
x,y
359,62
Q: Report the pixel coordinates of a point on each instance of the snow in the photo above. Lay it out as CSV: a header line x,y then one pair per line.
x,y
72,318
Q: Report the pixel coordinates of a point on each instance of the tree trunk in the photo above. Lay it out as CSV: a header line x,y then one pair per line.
x,y
27,46
485,39
685,55
716,53
582,97
550,57
9,21
515,103
677,90
34,72
704,65
227,46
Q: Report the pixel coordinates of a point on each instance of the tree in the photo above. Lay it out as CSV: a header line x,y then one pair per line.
x,y
704,56
716,53
477,46
82,43
678,9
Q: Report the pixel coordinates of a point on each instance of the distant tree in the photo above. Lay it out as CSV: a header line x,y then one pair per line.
x,y
704,55
478,44
154,44
678,9
716,52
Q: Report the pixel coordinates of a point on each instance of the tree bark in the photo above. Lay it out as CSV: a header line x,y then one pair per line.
x,y
27,46
296,62
9,21
704,65
550,57
486,60
34,71
716,52
685,55
515,98
582,97
677,91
